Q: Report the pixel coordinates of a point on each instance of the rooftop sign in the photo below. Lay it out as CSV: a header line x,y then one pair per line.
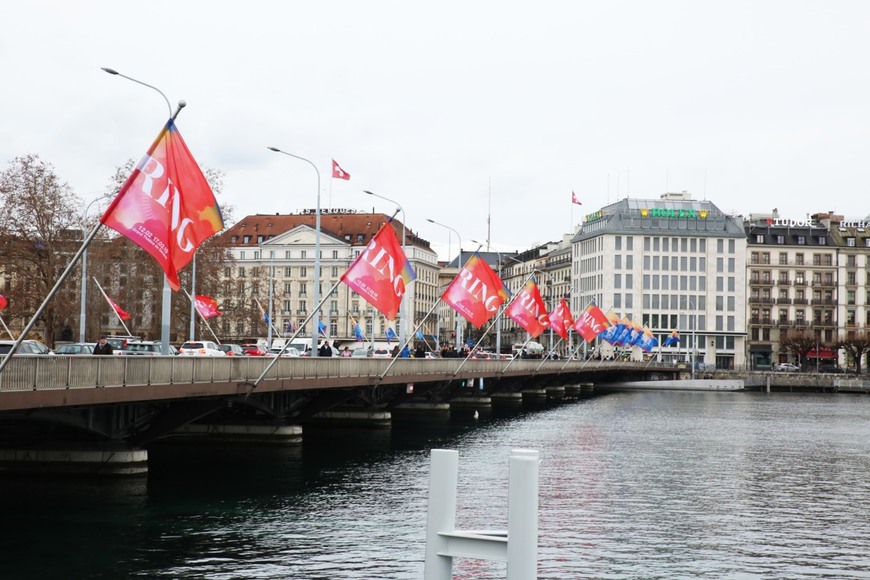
x,y
674,213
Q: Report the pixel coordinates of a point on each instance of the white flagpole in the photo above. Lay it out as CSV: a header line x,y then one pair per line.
x,y
274,328
109,302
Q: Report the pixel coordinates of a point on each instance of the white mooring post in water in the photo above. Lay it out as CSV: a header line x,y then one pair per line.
x,y
518,546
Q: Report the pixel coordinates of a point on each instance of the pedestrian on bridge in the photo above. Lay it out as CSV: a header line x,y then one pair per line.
x,y
103,346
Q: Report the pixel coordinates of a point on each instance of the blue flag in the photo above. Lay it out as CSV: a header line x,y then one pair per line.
x,y
391,334
357,332
321,327
419,334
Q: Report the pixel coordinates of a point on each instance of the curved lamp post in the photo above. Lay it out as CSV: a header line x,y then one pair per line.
x,y
167,291
459,265
316,320
402,313
83,309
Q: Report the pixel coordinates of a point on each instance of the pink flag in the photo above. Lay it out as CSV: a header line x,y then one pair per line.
x,y
206,306
561,320
591,323
3,302
381,273
574,199
120,311
476,292
166,206
529,311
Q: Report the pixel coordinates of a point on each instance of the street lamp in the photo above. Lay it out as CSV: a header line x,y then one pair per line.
x,y
316,320
693,324
83,310
458,266
167,291
402,308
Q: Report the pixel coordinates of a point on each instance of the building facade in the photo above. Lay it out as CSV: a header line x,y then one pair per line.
x,y
672,263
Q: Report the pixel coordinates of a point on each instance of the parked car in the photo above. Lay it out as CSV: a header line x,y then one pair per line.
x,y
289,351
201,348
26,347
232,349
145,348
381,353
787,368
254,350
76,348
119,342
361,353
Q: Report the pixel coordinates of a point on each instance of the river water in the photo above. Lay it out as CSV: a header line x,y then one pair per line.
x,y
632,485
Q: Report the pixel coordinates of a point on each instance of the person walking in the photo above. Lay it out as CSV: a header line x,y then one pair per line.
x,y
325,349
103,346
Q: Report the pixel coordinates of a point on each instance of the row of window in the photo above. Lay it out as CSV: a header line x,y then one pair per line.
x,y
822,240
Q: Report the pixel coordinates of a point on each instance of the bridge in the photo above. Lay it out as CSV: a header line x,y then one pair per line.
x,y
119,405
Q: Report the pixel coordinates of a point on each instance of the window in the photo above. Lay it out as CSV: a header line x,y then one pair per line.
x,y
801,240
288,272
246,239
823,240
303,272
617,242
783,258
780,239
303,289
241,271
334,254
759,239
303,254
850,242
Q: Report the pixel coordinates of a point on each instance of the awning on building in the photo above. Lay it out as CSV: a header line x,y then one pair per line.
x,y
822,353
760,348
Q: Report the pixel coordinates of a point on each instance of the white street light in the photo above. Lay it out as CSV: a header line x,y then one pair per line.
x,y
459,265
316,320
402,313
167,291
83,310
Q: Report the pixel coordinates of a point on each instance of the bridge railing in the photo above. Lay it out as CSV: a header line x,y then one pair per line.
x,y
36,372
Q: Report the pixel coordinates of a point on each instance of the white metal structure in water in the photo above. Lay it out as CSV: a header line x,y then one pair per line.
x,y
518,546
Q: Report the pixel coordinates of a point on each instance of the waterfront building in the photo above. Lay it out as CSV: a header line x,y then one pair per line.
x,y
808,279
278,250
672,263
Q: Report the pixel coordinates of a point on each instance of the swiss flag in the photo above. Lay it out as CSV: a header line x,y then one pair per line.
x,y
338,172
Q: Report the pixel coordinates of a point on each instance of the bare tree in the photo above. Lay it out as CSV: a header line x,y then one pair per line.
x,y
799,344
856,346
38,224
138,280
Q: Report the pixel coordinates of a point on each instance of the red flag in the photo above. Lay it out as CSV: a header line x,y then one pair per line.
x,y
591,323
120,311
477,292
206,306
3,302
561,320
574,199
338,172
381,273
166,206
529,311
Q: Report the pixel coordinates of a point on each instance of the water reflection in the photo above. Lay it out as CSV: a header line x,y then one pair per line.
x,y
642,484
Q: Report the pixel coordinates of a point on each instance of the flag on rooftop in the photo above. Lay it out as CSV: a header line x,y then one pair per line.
x,y
574,199
338,172
166,206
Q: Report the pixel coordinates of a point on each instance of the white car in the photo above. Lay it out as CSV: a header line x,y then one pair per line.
x,y
201,348
787,368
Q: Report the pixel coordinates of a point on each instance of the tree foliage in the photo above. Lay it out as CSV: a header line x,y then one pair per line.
x,y
799,344
39,228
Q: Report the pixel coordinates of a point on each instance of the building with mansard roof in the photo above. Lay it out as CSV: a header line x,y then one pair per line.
x,y
673,263
808,278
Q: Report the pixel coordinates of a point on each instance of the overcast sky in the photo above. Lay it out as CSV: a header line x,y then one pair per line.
x,y
458,110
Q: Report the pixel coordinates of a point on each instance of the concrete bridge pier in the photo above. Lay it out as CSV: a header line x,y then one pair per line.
x,y
254,434
507,399
114,460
